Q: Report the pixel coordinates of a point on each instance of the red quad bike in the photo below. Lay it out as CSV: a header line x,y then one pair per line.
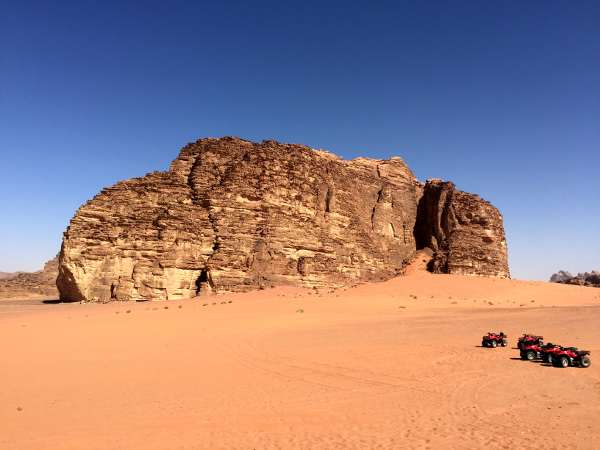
x,y
533,351
549,351
493,340
570,356
528,339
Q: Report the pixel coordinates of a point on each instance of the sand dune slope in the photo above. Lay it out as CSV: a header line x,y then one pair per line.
x,y
390,365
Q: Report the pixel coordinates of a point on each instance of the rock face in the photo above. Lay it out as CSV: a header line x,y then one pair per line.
x,y
465,231
232,216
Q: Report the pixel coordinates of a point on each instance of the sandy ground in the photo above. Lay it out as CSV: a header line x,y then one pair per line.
x,y
390,365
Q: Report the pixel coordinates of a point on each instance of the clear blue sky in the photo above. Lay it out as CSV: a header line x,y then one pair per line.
x,y
500,97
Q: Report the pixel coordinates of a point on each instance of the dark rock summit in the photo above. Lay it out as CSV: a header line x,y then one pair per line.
x,y
233,216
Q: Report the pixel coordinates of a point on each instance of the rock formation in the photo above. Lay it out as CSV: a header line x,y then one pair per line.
x,y
31,284
465,231
561,275
582,279
232,216
586,275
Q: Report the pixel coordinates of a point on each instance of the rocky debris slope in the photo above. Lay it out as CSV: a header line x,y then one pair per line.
x,y
232,216
31,284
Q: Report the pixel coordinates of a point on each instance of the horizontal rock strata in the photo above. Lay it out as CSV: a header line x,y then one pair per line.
x,y
232,216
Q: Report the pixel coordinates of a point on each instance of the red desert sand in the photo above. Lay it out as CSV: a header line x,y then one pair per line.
x,y
390,365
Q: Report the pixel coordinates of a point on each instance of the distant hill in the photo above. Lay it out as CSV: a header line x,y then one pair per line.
x,y
582,279
6,275
30,284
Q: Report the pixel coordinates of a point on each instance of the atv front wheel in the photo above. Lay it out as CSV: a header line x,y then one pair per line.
x,y
563,361
494,344
530,356
484,343
585,362
549,359
555,361
504,343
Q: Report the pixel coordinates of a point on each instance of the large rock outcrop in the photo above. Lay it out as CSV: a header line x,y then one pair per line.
x,y
465,231
232,216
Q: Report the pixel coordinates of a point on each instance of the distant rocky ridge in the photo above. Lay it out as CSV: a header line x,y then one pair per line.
x,y
232,216
561,275
31,284
582,279
6,275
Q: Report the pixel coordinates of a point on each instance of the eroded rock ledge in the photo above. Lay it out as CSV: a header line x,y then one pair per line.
x,y
232,216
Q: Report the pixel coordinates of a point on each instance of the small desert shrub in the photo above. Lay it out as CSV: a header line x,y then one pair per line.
x,y
128,311
230,301
403,307
299,310
453,303
206,304
490,303
180,306
214,303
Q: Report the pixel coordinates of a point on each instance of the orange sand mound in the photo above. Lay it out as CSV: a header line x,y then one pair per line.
x,y
391,365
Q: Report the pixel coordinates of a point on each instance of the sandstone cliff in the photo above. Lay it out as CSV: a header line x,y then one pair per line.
x,y
232,215
465,231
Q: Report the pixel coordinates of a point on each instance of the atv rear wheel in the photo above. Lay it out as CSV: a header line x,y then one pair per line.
x,y
585,361
563,361
504,343
530,355
494,343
